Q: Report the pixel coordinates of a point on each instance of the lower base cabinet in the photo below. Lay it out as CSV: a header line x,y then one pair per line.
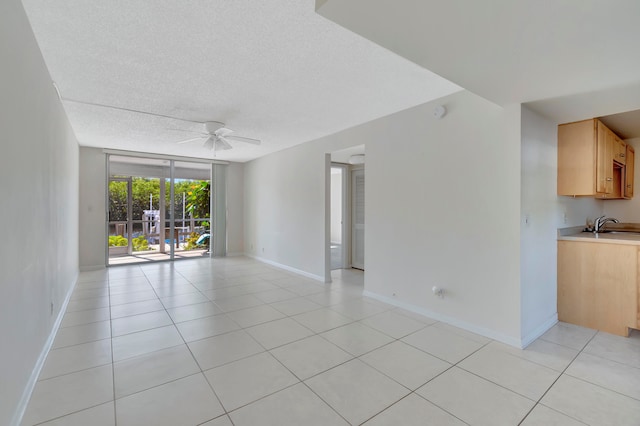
x,y
598,285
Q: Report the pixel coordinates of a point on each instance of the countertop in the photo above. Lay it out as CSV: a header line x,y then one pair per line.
x,y
576,234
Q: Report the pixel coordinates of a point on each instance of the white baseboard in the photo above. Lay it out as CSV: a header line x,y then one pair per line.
x,y
88,268
486,332
539,331
33,379
287,268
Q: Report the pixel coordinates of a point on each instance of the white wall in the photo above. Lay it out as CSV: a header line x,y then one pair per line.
x,y
442,207
284,208
543,212
92,208
235,209
336,206
628,210
39,192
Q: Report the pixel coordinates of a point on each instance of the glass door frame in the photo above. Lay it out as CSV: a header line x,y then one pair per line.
x,y
163,211
129,221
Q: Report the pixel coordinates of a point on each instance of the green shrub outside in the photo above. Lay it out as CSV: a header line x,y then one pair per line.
x,y
117,241
139,243
191,242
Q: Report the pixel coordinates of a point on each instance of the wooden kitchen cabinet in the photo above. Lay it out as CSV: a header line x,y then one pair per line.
x,y
598,285
629,172
585,159
619,150
604,159
591,161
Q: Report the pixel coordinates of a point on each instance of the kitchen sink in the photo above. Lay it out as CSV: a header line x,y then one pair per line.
x,y
619,232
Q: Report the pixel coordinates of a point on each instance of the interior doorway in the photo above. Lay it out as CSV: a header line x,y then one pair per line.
x,y
345,211
339,211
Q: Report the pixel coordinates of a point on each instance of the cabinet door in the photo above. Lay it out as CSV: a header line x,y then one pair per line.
x,y
604,160
629,172
577,152
597,285
620,150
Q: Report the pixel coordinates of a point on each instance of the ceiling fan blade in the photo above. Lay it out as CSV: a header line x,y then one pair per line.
x,y
209,143
186,131
243,139
190,140
222,144
223,131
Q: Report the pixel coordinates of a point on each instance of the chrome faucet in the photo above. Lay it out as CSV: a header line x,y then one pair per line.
x,y
601,221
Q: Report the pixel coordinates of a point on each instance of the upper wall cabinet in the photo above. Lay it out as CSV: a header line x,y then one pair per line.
x,y
619,150
593,161
628,176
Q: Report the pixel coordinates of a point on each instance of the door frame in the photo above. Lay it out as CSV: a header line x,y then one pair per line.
x,y
352,229
215,199
129,220
346,213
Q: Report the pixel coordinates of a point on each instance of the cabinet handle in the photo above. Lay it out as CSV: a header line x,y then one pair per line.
x,y
621,155
609,179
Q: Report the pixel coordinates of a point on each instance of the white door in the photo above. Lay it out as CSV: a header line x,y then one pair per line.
x,y
357,218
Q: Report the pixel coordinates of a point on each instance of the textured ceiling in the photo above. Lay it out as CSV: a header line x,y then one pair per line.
x,y
274,71
508,51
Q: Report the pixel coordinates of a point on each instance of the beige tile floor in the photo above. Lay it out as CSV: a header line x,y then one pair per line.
x,y
236,342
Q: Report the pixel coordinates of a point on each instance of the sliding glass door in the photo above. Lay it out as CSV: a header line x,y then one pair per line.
x,y
157,209
192,207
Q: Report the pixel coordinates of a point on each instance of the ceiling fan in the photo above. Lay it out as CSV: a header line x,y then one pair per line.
x,y
217,137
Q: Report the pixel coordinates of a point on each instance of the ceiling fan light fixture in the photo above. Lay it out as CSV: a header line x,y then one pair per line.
x,y
212,126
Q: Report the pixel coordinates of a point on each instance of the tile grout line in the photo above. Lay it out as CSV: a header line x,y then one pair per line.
x,y
603,387
354,357
449,368
191,353
412,391
359,357
187,345
419,396
556,380
113,367
226,413
325,402
300,381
